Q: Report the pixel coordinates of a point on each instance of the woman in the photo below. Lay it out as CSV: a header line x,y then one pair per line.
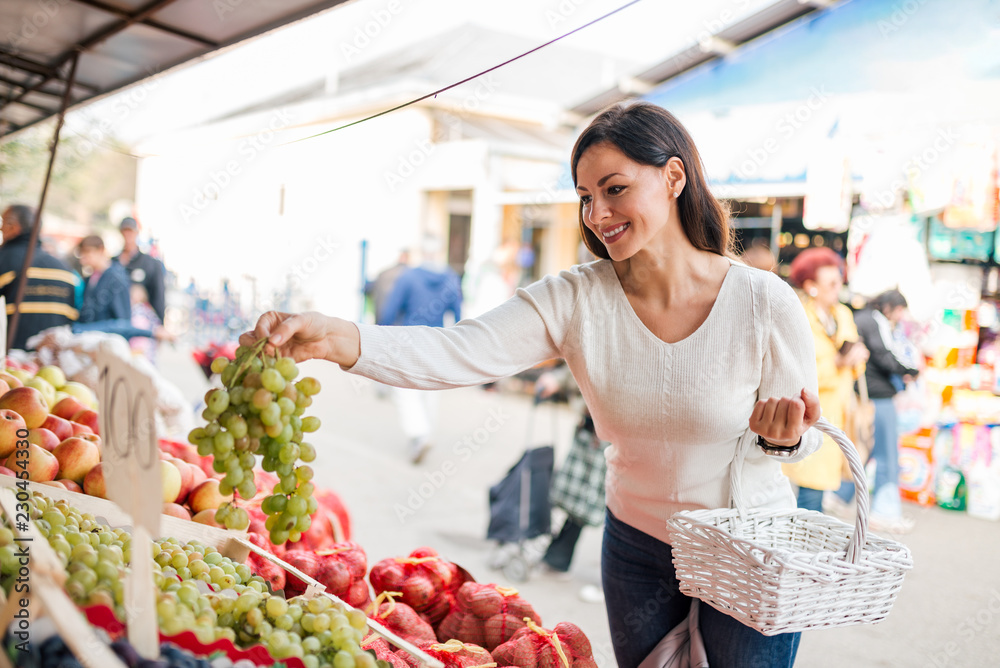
x,y
681,353
819,274
875,324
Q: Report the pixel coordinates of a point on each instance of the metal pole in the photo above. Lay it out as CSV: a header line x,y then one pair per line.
x,y
36,229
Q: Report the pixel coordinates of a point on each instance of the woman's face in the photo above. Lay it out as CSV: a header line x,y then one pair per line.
x,y
825,290
895,314
625,204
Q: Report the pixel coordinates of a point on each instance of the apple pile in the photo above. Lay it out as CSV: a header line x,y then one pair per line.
x,y
60,418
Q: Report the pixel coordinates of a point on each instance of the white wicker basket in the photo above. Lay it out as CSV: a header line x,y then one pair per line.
x,y
788,570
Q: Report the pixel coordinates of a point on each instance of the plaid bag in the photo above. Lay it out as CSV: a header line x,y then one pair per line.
x,y
578,485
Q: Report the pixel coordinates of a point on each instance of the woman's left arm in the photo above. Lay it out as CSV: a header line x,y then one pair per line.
x,y
788,404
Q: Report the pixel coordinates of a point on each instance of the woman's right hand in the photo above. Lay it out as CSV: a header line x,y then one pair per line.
x,y
305,336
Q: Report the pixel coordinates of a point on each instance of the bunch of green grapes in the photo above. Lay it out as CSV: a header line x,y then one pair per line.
x,y
260,410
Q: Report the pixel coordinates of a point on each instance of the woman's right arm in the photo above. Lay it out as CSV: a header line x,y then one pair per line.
x,y
527,329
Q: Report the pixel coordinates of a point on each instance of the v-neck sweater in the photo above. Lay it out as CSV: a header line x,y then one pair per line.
x,y
675,413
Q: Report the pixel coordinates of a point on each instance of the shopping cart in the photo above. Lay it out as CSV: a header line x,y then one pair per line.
x,y
520,513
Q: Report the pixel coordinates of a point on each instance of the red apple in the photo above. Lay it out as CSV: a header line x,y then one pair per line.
x,y
6,471
176,510
27,402
187,478
43,437
86,417
206,496
68,407
61,427
11,380
197,475
71,486
10,424
42,464
53,483
79,429
207,516
76,457
93,482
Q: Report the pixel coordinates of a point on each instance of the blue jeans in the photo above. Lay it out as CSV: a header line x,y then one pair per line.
x,y
885,452
810,499
643,601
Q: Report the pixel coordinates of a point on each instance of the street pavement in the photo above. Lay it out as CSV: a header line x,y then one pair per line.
x,y
947,614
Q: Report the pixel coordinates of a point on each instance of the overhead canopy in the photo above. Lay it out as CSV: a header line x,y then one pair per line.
x,y
120,42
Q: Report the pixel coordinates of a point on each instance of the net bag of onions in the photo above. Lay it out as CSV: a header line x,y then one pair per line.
x,y
565,646
427,582
487,615
384,651
455,654
400,618
340,569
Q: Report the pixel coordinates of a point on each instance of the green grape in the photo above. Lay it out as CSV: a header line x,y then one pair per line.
x,y
228,373
274,430
219,364
304,473
218,400
272,380
307,452
270,415
308,386
310,424
251,381
287,368
247,489
297,506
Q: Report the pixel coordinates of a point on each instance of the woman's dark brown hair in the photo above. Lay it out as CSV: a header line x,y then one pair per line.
x,y
650,135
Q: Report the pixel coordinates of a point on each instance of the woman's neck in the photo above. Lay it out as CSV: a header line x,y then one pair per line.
x,y
667,274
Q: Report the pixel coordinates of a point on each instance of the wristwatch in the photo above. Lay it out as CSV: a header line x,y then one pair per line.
x,y
777,450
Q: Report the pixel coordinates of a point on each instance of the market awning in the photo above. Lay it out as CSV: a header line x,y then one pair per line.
x,y
119,42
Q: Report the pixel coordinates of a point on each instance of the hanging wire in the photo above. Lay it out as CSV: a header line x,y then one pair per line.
x,y
467,79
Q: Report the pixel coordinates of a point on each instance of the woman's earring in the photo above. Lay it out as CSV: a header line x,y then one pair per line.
x,y
813,292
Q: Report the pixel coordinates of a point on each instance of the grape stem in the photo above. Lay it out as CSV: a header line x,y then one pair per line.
x,y
245,361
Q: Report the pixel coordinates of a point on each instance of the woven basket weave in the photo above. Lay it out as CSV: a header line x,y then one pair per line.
x,y
781,571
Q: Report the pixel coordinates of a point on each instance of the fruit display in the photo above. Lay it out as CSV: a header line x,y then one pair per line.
x,y
565,645
487,615
198,590
455,654
427,582
259,410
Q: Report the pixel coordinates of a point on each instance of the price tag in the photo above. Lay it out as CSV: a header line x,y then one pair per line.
x,y
130,460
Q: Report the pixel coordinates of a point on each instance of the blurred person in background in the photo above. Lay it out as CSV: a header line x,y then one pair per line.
x,y
50,292
143,317
883,373
840,356
422,296
759,255
141,268
107,300
380,288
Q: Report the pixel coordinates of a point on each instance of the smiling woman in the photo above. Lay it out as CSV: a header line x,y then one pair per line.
x,y
686,358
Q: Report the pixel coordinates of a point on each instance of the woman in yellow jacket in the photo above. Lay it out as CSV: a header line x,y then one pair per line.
x,y
840,357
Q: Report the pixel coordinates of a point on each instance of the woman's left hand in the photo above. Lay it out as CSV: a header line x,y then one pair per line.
x,y
783,421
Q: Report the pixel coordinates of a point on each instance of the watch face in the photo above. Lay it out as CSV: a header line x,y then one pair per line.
x,y
138,275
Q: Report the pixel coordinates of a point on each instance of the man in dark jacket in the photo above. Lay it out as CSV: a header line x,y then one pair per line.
x,y
50,292
141,268
422,296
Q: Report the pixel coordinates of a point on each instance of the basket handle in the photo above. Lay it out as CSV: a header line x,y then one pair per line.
x,y
857,542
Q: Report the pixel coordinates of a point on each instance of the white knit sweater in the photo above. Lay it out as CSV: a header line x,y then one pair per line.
x,y
675,413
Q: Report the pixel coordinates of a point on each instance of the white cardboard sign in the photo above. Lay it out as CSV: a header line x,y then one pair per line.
x,y
132,476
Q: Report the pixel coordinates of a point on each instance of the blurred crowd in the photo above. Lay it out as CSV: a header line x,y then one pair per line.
x,y
89,290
